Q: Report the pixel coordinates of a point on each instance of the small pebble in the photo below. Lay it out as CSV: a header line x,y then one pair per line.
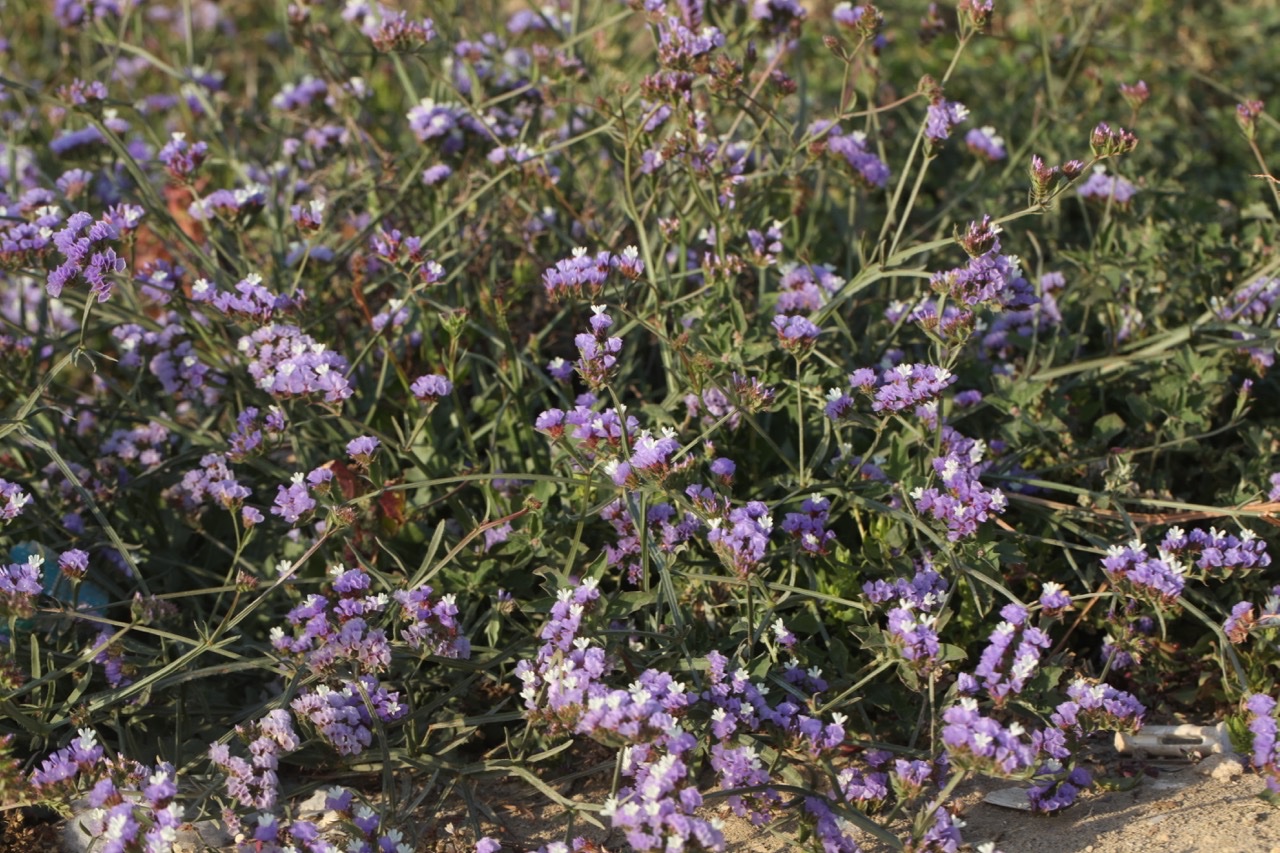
x,y
1221,768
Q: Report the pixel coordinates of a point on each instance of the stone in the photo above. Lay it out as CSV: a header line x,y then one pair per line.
x,y
1223,767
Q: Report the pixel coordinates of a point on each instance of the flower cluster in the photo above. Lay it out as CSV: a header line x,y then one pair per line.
x,y
808,526
556,685
741,536
86,255
1004,669
181,158
285,362
1217,550
431,624
989,278
597,351
667,530
1251,305
962,502
986,144
293,501
581,272
651,457
941,119
1131,569
977,742
213,482
796,333
231,206
1262,724
20,583
13,500
853,149
249,300
1107,189
173,360
687,47
806,287
132,807
254,783
344,718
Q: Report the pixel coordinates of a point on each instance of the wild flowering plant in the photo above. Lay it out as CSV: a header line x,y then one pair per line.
x,y
755,393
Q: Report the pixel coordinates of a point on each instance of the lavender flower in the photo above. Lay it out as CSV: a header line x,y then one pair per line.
x,y
980,743
986,144
809,525
796,334
429,389
432,624
941,118
852,147
342,717
1103,188
964,501
13,500
1262,724
740,539
231,206
681,48
806,288
1216,550
20,583
578,273
182,159
1054,599
287,363
82,243
1132,570
361,449
597,351
989,278
292,501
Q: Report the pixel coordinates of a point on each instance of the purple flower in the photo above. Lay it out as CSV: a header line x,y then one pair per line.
x,y
580,272
963,501
285,363
806,288
868,167
1054,598
986,144
796,334
361,449
13,500
941,118
742,536
292,501
597,351
433,175
181,159
990,277
74,563
20,583
1216,550
809,525
1102,187
431,624
430,388
1132,570
981,743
